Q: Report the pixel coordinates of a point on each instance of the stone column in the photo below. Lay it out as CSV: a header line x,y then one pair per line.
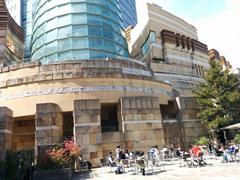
x,y
87,128
6,126
141,123
49,124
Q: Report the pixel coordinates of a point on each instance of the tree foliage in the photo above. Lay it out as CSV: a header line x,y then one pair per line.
x,y
218,97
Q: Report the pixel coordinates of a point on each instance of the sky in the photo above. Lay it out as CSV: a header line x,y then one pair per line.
x,y
217,22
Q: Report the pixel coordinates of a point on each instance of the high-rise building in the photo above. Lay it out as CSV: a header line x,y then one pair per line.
x,y
63,30
26,24
129,13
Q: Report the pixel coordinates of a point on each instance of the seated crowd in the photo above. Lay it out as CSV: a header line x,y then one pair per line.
x,y
194,153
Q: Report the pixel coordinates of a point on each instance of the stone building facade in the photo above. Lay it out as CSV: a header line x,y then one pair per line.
x,y
170,47
11,38
102,103
215,56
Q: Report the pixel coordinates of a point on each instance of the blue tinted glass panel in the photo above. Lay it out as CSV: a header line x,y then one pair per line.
x,y
80,43
79,19
151,38
64,44
65,32
107,34
79,30
51,47
94,31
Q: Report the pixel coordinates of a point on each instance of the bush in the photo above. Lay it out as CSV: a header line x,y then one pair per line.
x,y
202,141
16,165
237,138
59,156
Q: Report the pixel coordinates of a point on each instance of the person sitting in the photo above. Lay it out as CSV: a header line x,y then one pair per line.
x,y
165,149
196,150
122,154
179,151
197,153
131,156
84,162
126,154
110,159
226,154
172,151
141,163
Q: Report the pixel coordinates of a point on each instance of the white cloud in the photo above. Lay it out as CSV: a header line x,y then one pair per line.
x,y
222,32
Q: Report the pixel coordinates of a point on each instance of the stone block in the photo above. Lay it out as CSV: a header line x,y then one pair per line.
x,y
48,107
132,136
5,111
84,118
57,75
48,77
142,126
5,69
49,133
111,137
3,84
37,78
92,148
129,144
68,75
49,141
88,129
95,138
93,155
83,139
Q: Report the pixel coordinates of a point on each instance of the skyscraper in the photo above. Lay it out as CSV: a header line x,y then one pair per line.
x,y
88,29
128,11
26,24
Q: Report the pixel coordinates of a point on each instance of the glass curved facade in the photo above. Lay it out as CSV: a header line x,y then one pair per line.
x,y
77,29
128,12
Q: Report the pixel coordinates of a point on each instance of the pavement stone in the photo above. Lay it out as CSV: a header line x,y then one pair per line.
x,y
215,170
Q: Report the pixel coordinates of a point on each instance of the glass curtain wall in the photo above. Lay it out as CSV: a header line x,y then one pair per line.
x,y
128,12
74,30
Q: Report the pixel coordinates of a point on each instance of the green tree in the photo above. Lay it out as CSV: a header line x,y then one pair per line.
x,y
218,97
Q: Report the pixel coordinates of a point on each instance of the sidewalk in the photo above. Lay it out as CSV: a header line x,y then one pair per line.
x,y
215,171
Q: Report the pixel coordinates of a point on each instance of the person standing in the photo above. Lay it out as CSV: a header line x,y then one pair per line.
x,y
118,152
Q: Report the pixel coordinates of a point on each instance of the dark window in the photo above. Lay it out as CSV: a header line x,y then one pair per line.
x,y
169,111
68,125
183,41
188,43
177,40
109,118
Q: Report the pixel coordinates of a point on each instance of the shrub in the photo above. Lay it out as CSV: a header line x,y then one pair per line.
x,y
202,141
16,165
237,138
59,156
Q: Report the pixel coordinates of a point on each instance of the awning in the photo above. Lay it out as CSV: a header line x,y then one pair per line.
x,y
233,126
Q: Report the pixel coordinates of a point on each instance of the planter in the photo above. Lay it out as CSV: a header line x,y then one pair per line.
x,y
58,174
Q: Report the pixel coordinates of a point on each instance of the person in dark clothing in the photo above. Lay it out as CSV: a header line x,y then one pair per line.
x,y
83,162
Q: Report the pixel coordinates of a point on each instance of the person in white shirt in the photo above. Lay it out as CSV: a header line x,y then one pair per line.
x,y
118,151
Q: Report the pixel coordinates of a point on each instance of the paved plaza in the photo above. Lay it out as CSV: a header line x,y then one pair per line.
x,y
215,170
